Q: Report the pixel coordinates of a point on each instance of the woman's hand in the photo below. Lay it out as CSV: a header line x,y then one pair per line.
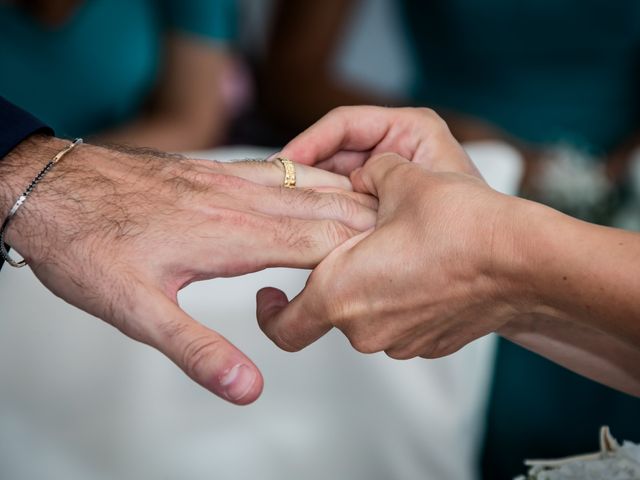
x,y
415,285
347,137
424,282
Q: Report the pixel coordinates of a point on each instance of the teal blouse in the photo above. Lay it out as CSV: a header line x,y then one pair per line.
x,y
97,69
544,70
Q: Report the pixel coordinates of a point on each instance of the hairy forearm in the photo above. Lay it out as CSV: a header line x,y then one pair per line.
x,y
22,164
17,170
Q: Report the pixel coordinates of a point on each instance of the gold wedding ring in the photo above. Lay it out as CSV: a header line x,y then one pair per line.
x,y
289,172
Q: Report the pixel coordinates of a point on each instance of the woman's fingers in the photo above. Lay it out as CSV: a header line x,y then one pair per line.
x,y
290,325
347,137
344,162
355,129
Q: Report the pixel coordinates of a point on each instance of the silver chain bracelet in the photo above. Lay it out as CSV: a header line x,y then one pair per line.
x,y
23,198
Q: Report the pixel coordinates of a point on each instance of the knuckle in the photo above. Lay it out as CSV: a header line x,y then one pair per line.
x,y
345,208
364,344
308,198
351,317
429,355
227,181
339,111
234,219
335,314
448,348
336,233
198,351
401,172
427,112
384,157
182,185
284,338
433,350
286,342
305,199
432,117
286,233
400,354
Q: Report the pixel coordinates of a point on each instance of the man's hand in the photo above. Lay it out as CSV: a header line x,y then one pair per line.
x,y
423,283
347,137
118,234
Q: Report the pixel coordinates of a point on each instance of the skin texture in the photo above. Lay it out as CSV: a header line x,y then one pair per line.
x,y
119,233
451,260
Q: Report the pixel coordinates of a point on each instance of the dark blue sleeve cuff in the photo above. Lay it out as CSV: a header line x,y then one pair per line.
x,y
16,125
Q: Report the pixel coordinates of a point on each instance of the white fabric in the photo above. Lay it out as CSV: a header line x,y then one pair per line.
x,y
80,401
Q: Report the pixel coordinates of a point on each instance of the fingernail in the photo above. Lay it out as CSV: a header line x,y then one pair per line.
x,y
237,382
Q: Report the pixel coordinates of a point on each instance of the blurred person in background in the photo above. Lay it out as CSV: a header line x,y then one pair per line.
x,y
558,81
142,72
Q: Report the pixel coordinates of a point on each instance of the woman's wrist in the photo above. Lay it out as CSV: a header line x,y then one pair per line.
x,y
529,258
568,270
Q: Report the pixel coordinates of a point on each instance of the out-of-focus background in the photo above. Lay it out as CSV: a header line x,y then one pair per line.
x,y
543,94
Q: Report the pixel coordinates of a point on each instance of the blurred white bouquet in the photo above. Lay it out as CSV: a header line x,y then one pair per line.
x,y
612,462
572,181
629,216
576,183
